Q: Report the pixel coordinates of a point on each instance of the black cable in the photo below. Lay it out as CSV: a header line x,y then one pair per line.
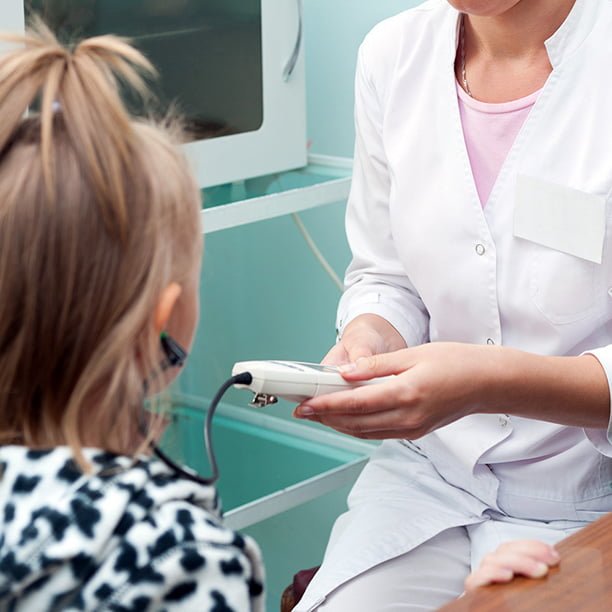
x,y
244,378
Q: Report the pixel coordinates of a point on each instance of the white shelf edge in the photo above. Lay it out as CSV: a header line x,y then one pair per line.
x,y
283,203
293,496
331,161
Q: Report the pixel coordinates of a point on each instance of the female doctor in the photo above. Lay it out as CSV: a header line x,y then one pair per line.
x,y
480,222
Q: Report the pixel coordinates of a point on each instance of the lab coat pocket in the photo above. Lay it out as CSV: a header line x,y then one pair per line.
x,y
566,288
590,516
567,230
593,509
599,503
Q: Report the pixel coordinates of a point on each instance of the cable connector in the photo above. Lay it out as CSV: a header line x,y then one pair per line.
x,y
244,378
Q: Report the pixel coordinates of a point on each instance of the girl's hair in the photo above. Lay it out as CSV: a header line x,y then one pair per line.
x,y
99,212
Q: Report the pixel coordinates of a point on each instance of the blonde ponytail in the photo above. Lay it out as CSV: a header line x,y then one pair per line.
x,y
98,213
84,83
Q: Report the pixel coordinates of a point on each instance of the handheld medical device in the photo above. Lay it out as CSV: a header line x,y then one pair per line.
x,y
293,380
268,380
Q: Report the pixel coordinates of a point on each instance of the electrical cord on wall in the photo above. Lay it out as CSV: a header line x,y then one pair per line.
x,y
312,245
310,242
244,378
178,356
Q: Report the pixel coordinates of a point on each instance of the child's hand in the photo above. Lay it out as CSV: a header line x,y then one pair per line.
x,y
525,558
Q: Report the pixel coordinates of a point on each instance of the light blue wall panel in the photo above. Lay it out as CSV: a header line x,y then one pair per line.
x,y
263,294
334,31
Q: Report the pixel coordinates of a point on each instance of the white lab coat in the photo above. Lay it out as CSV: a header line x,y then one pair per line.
x,y
431,261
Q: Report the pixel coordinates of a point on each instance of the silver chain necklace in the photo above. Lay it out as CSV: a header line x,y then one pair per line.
x,y
466,85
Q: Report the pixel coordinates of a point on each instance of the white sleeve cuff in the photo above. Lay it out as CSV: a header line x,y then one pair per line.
x,y
601,439
373,303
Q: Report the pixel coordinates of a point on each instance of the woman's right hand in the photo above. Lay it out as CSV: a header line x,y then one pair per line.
x,y
366,335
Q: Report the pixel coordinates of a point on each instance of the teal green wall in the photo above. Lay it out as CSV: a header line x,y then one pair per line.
x,y
334,30
265,297
263,294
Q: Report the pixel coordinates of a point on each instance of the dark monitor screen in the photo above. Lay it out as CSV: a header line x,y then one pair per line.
x,y
208,53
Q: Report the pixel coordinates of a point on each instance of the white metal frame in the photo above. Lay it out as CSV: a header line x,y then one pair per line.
x,y
296,495
285,202
280,143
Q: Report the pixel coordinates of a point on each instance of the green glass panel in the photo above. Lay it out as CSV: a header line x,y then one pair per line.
x,y
208,53
253,461
310,176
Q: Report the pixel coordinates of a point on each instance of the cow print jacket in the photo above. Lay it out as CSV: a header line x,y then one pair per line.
x,y
131,536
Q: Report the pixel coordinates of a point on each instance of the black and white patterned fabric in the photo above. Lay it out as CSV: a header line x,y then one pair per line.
x,y
132,536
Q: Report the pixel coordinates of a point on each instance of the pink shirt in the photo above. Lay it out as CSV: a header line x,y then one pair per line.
x,y
490,131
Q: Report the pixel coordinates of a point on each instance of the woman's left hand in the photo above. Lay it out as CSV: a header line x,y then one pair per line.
x,y
434,385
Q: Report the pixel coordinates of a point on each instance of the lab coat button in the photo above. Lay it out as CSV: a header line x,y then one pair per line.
x,y
503,421
480,249
490,341
610,291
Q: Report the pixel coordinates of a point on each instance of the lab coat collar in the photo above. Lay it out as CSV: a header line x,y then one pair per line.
x,y
572,33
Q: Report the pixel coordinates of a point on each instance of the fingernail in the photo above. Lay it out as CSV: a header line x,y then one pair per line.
x,y
347,368
541,570
305,411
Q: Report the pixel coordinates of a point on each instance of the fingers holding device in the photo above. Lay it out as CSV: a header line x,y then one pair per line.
x,y
294,380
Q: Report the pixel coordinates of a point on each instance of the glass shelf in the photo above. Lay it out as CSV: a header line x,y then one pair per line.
x,y
282,483
288,464
325,180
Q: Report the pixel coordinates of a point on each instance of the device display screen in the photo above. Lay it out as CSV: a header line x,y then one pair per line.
x,y
300,366
208,53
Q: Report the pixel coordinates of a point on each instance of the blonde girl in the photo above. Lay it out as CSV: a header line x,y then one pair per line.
x,y
100,246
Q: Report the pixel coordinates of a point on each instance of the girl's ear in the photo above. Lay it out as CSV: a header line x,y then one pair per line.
x,y
166,305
